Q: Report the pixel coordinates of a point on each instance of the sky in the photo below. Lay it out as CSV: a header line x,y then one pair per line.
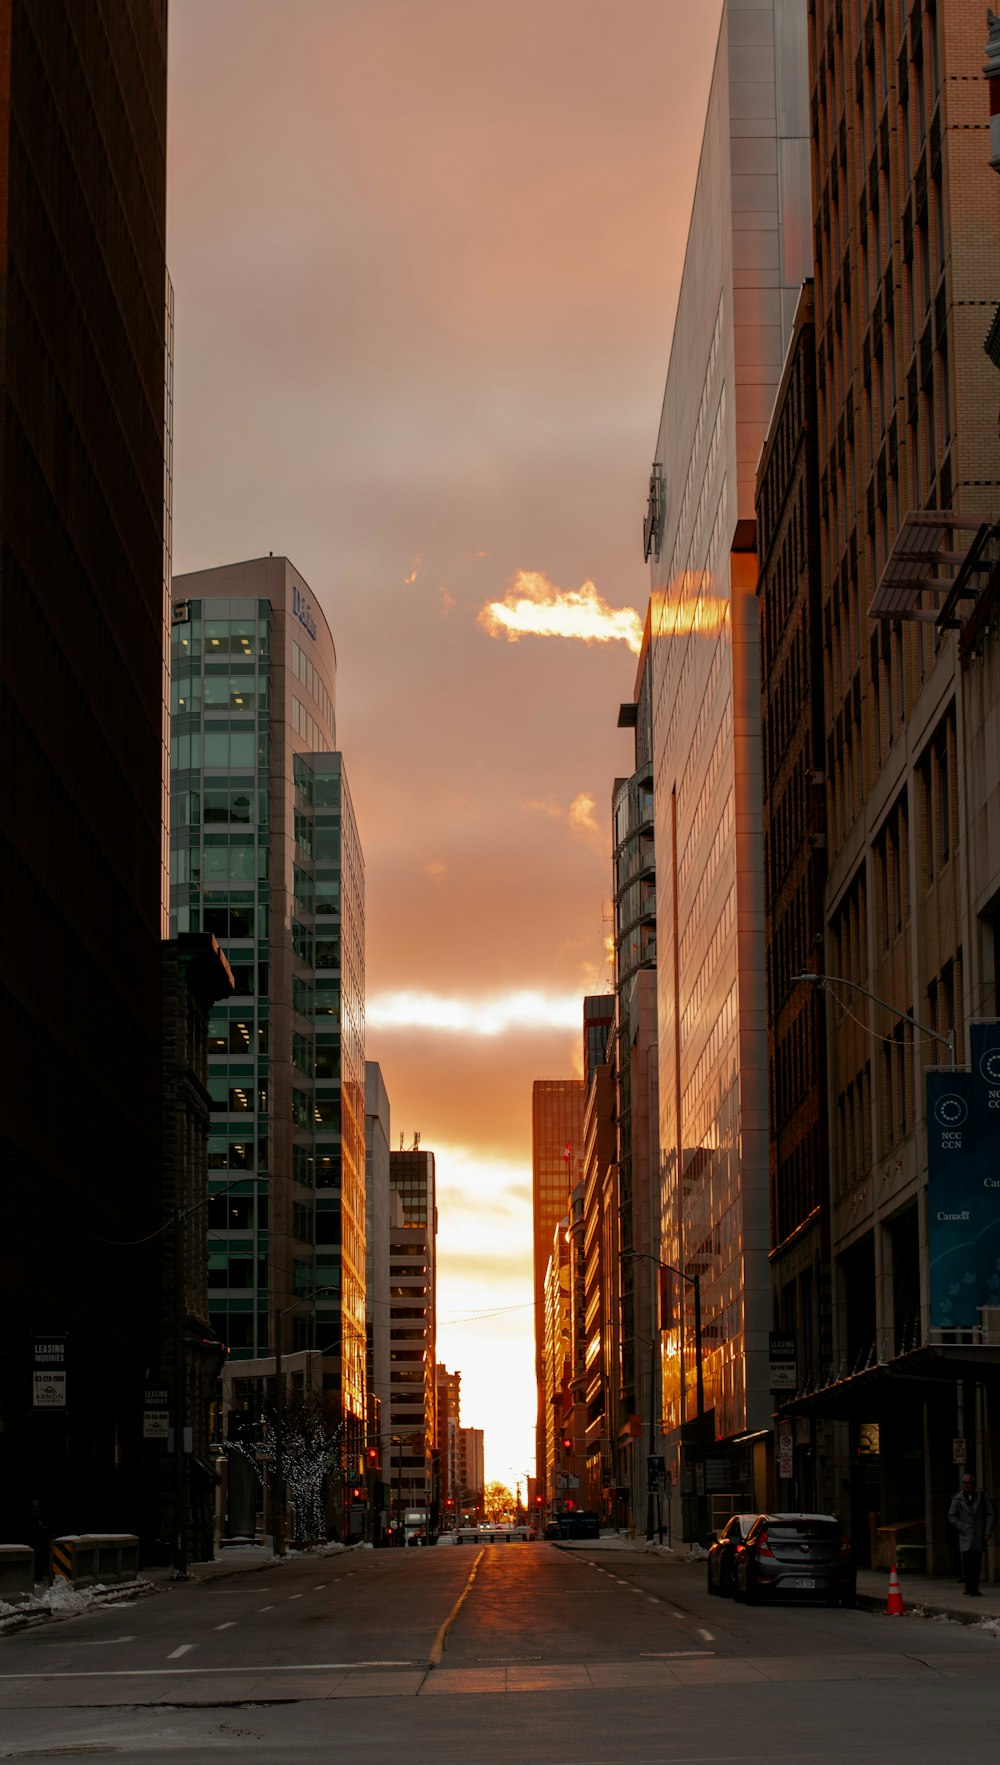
x,y
426,257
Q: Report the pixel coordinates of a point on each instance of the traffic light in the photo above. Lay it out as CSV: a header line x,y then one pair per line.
x,y
538,1501
372,1458
569,1505
567,1443
357,1493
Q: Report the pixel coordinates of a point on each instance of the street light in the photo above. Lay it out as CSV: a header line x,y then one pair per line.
x,y
839,980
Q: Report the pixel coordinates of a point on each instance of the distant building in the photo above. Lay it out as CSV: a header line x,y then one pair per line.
x,y
556,1155
448,1418
412,1333
601,1246
634,1059
377,1315
265,853
561,1439
471,1472
84,382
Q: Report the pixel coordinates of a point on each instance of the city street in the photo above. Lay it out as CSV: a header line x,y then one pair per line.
x,y
573,1655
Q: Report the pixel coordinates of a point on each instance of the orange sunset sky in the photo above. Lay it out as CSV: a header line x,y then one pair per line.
x,y
426,255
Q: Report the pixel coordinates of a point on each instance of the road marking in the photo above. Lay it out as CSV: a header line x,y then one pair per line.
x,y
679,1655
706,1636
104,1643
230,1626
175,1654
181,1672
437,1649
265,1608
319,1584
295,1596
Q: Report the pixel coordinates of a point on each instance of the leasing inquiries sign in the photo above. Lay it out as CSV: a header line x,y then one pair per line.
x,y
963,1183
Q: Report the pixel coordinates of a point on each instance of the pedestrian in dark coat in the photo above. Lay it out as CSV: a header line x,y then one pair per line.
x,y
971,1513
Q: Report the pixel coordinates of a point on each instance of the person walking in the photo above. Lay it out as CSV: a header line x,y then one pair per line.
x,y
971,1513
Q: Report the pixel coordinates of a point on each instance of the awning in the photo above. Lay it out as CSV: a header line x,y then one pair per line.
x,y
886,1384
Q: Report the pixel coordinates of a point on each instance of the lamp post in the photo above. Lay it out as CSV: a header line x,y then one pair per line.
x,y
839,980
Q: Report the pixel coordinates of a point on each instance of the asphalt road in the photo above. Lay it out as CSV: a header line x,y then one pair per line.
x,y
510,1655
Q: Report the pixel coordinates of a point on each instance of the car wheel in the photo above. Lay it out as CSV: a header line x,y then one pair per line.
x,y
849,1599
727,1581
711,1584
752,1593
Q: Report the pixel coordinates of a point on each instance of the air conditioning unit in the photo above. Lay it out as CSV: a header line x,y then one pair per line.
x,y
179,614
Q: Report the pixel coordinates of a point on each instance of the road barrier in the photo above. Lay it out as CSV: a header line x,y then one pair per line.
x,y
17,1572
493,1535
87,1558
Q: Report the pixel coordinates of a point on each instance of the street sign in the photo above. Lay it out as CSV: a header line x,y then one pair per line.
x,y
958,1451
156,1413
49,1373
782,1362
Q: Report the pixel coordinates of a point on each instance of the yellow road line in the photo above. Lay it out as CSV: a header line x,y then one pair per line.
x,y
438,1649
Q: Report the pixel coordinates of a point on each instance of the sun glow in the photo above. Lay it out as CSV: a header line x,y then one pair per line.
x,y
495,1015
534,607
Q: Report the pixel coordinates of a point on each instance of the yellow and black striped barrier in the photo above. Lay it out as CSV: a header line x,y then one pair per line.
x,y
95,1558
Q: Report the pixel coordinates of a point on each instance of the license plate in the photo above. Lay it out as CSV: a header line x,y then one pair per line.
x,y
804,1581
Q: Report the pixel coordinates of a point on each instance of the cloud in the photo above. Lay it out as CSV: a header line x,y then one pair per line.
x,y
579,817
533,606
415,568
447,600
435,869
492,1015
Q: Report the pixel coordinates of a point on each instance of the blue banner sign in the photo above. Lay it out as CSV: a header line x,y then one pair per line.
x,y
963,1184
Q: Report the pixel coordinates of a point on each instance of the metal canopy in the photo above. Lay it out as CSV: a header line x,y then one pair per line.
x,y
929,560
888,1382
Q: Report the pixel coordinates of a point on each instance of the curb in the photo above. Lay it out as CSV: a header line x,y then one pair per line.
x,y
873,1602
35,1612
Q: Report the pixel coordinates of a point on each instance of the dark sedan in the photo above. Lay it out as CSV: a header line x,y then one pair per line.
x,y
806,1556
721,1565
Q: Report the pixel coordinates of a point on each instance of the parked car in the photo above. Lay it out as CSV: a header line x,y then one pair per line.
x,y
721,1565
808,1556
576,1524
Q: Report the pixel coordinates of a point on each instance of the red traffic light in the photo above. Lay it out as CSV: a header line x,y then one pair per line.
x,y
373,1455
568,1505
538,1501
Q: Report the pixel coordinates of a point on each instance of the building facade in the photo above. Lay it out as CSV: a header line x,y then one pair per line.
x,y
793,744
748,252
556,1161
634,1060
265,854
377,1214
906,240
82,281
412,1333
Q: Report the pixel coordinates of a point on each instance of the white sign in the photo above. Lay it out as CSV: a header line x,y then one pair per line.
x,y
49,1389
155,1424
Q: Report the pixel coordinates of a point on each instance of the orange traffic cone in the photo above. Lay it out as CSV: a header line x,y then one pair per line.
x,y
894,1607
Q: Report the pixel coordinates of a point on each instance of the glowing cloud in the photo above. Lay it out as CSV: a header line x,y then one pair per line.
x,y
447,600
580,818
435,869
495,1015
534,607
408,581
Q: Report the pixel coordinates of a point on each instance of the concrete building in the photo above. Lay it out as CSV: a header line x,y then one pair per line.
x,y
562,1435
265,854
82,670
634,1059
601,1247
377,1321
471,1471
748,251
906,243
412,1334
448,1411
793,745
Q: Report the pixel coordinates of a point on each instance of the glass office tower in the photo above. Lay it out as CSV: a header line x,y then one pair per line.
x,y
747,253
265,854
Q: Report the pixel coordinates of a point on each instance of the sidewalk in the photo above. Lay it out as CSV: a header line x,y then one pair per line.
x,y
931,1596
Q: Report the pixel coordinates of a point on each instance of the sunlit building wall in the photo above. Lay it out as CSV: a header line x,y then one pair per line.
x,y
749,249
265,853
559,1460
377,1192
556,1161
